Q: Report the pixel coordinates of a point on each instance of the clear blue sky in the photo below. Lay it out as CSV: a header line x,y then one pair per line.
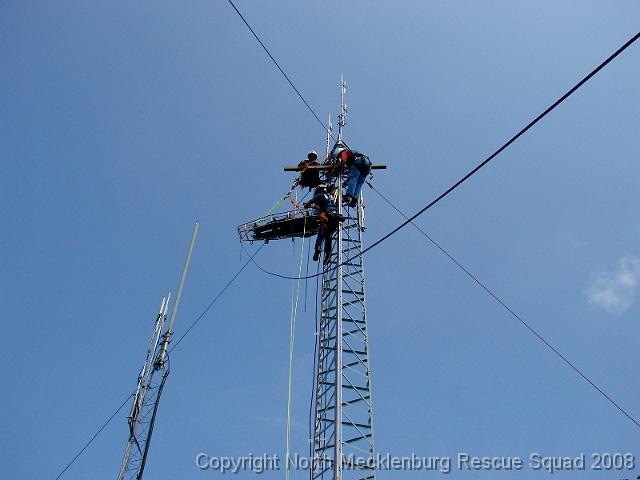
x,y
123,122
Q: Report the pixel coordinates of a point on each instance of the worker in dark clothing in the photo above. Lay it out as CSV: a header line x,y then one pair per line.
x,y
309,177
359,167
328,219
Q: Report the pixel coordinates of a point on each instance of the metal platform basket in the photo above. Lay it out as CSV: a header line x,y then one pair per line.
x,y
295,223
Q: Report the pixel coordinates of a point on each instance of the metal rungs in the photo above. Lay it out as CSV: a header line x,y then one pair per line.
x,y
356,400
355,439
358,362
356,388
327,383
356,425
325,340
327,447
328,348
354,300
353,332
354,352
354,320
324,372
349,291
351,303
326,409
329,422
352,264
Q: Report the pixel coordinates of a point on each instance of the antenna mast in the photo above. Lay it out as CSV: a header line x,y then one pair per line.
x,y
342,117
151,380
329,132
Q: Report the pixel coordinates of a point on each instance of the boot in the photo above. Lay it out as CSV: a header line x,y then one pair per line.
x,y
347,199
316,255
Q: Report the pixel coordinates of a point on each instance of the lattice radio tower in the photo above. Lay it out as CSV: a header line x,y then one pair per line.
x,y
342,446
151,381
343,442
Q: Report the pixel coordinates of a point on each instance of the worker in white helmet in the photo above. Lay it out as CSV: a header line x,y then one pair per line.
x,y
309,177
358,165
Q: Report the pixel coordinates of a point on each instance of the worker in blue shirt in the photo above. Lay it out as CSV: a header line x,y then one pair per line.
x,y
359,167
328,220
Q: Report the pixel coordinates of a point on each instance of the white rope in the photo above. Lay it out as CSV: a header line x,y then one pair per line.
x,y
295,295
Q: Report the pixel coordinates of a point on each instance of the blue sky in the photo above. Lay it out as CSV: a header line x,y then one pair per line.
x,y
123,122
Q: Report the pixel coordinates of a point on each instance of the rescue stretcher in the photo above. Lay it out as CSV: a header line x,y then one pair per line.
x,y
294,223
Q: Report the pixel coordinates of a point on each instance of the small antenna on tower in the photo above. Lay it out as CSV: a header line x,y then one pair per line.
x,y
342,118
329,132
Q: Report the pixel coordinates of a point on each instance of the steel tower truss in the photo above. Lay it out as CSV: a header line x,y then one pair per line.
x,y
343,446
145,403
151,380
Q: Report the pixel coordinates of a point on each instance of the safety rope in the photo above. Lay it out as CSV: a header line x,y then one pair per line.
x,y
295,295
295,204
312,413
306,280
277,204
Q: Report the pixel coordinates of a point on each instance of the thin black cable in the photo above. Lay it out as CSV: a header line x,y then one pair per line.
x,y
278,66
228,284
95,435
506,307
212,303
479,166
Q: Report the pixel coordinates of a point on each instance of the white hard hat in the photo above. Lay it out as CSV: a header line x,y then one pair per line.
x,y
312,152
338,148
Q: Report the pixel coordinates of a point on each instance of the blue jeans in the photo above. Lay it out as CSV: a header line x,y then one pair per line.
x,y
325,232
359,170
